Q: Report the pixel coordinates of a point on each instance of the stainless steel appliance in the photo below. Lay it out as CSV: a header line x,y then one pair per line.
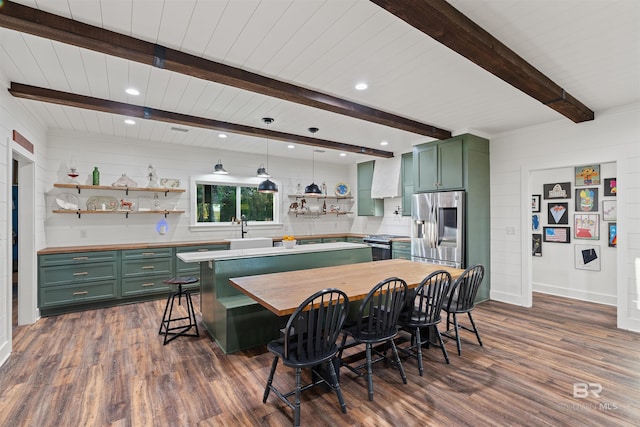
x,y
437,228
381,245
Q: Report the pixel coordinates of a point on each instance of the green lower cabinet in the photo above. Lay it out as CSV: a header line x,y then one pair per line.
x,y
75,294
401,250
333,239
144,286
309,241
355,240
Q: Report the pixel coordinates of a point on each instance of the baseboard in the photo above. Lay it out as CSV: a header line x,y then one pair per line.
x,y
576,294
507,298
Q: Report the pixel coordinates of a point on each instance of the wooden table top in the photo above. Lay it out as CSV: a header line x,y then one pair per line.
x,y
283,292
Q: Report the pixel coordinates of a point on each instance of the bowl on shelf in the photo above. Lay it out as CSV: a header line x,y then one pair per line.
x,y
289,244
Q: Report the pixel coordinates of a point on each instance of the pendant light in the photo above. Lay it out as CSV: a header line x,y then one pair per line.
x,y
218,169
313,187
266,186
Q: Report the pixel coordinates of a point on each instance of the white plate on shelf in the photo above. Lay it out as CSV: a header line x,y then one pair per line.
x,y
342,189
67,201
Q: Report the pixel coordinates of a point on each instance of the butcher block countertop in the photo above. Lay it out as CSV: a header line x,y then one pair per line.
x,y
281,293
126,246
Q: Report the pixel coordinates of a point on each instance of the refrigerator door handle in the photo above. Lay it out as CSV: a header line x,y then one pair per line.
x,y
433,226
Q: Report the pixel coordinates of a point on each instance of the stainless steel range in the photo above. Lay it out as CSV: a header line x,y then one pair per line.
x,y
381,245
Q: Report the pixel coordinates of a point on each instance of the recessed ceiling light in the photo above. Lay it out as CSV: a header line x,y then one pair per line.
x,y
361,86
222,135
384,143
291,146
132,91
130,121
343,154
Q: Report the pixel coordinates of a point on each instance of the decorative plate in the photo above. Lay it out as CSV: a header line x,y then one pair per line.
x,y
342,189
102,203
169,182
67,201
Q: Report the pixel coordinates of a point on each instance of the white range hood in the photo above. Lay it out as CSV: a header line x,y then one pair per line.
x,y
386,178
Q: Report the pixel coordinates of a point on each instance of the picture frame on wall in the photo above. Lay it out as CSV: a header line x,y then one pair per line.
x,y
587,175
609,210
587,257
535,203
535,222
536,241
586,226
610,187
556,234
557,213
587,199
613,235
559,190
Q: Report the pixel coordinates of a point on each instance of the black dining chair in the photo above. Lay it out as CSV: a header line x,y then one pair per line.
x,y
461,299
422,314
377,322
310,341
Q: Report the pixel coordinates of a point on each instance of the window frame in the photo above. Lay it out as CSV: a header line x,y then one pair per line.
x,y
213,179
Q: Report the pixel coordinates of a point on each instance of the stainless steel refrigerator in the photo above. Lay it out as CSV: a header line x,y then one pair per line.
x,y
437,228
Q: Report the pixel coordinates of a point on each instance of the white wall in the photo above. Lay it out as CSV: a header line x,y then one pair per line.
x,y
14,117
613,137
114,156
551,272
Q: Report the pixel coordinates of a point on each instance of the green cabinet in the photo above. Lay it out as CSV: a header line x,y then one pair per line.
x,y
401,250
74,279
407,182
143,271
438,165
366,205
354,239
333,239
461,163
309,241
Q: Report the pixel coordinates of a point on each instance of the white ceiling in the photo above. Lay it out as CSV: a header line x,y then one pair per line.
x,y
591,48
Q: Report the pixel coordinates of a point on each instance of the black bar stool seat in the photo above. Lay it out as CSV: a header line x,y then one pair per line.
x,y
172,332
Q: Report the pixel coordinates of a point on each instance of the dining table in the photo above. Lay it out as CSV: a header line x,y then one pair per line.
x,y
282,293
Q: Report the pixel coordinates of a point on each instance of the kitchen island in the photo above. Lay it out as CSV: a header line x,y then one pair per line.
x,y
236,321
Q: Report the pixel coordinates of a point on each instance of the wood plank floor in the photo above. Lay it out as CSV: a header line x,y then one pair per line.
x,y
108,367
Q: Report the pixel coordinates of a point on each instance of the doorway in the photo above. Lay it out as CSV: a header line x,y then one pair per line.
x,y
14,243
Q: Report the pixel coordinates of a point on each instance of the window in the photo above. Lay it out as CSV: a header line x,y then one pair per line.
x,y
220,200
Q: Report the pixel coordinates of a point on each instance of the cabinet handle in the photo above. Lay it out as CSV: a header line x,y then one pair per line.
x,y
148,267
148,253
144,285
81,273
80,258
81,293
203,250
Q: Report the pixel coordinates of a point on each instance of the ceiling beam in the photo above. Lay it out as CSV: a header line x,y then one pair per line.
x,y
444,23
43,24
106,106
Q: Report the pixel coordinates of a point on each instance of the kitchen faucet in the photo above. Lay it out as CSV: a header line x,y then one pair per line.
x,y
243,223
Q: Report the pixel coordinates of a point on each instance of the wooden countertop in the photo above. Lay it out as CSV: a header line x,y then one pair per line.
x,y
281,293
124,246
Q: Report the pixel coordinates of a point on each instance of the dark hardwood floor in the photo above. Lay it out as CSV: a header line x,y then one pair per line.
x,y
108,367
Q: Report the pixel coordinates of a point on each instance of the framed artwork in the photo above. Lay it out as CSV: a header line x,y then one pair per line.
x,y
560,190
613,235
557,213
610,186
586,200
535,222
587,175
535,203
587,257
557,234
586,226
536,240
609,210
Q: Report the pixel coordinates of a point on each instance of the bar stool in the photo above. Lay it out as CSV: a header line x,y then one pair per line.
x,y
172,332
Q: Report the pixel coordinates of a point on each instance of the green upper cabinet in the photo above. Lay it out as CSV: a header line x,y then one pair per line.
x,y
366,205
438,165
407,183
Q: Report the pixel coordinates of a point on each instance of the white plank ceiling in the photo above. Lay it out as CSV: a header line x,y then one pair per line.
x,y
591,48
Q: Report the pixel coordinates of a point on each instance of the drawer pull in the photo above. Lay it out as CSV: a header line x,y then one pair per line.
x,y
148,253
148,267
145,285
81,273
203,250
81,293
80,258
